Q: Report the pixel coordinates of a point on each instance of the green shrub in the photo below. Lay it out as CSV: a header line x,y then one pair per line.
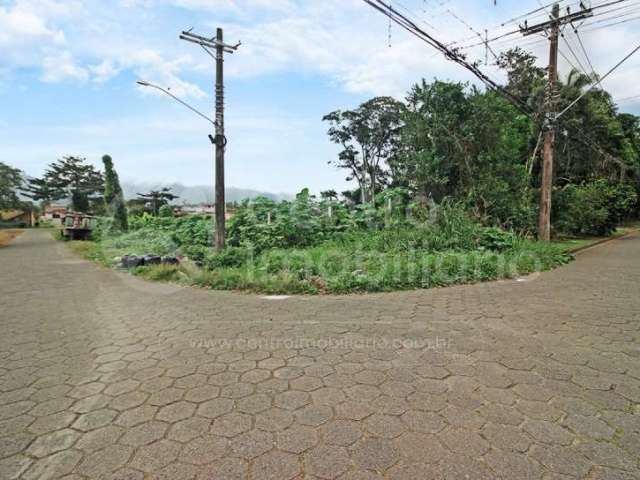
x,y
492,238
230,257
193,230
196,253
165,211
593,208
149,221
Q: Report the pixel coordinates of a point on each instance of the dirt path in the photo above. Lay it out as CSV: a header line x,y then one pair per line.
x,y
105,376
6,236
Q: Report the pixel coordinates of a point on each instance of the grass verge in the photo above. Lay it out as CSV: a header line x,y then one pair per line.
x,y
573,244
90,251
327,269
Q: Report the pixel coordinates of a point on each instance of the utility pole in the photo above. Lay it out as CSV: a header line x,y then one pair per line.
x,y
220,141
544,219
552,28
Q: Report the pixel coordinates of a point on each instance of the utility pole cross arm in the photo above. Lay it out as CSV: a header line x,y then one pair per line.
x,y
545,26
209,42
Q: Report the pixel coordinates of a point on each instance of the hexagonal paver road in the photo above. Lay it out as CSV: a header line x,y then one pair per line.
x,y
104,376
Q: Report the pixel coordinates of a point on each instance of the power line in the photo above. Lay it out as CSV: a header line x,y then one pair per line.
x,y
571,64
633,97
451,54
612,24
598,81
586,55
582,69
478,34
594,8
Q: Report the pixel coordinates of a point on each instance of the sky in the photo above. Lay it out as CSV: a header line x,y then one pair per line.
x,y
68,71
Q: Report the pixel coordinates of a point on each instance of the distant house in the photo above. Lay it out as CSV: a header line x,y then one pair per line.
x,y
19,218
203,209
54,211
55,214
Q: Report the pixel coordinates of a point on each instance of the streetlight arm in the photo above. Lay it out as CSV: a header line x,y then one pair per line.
x,y
147,84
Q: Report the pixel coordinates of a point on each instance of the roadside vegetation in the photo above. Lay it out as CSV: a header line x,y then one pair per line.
x,y
322,246
446,187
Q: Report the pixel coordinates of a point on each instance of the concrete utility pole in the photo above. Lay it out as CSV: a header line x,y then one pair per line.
x,y
552,28
220,141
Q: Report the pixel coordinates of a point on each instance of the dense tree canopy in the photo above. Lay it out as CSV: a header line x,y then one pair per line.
x,y
10,184
157,198
69,177
450,140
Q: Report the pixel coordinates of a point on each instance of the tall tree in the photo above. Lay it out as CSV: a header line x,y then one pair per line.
x,y
113,196
38,190
525,80
468,145
73,177
10,183
368,136
157,198
436,155
329,195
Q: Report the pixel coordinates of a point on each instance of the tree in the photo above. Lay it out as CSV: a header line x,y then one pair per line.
x,y
113,196
368,136
435,153
38,190
525,80
10,182
157,198
468,145
72,177
329,195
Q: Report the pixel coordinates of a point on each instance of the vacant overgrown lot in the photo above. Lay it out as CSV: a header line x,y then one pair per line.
x,y
310,246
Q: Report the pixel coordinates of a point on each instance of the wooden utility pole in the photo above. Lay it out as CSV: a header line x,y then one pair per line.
x,y
544,219
220,141
552,28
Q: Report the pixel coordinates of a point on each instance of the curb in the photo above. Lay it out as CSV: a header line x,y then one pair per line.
x,y
600,242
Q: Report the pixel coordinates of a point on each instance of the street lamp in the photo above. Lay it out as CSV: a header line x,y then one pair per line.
x,y
143,83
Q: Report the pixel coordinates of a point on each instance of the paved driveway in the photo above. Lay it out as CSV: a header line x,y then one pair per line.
x,y
105,376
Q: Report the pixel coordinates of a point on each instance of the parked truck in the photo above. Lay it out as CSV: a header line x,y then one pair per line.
x,y
78,226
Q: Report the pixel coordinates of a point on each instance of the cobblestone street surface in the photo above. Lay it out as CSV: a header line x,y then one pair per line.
x,y
105,376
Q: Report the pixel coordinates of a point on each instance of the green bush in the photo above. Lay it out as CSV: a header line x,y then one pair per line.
x,y
165,211
196,253
593,208
193,230
263,224
492,238
149,221
228,258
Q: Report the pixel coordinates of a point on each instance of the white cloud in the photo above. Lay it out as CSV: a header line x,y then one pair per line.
x,y
343,40
104,71
62,66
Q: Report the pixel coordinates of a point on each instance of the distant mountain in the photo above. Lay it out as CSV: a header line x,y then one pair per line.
x,y
199,193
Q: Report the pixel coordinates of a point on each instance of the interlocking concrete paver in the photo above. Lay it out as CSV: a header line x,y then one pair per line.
x,y
297,439
104,376
252,444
